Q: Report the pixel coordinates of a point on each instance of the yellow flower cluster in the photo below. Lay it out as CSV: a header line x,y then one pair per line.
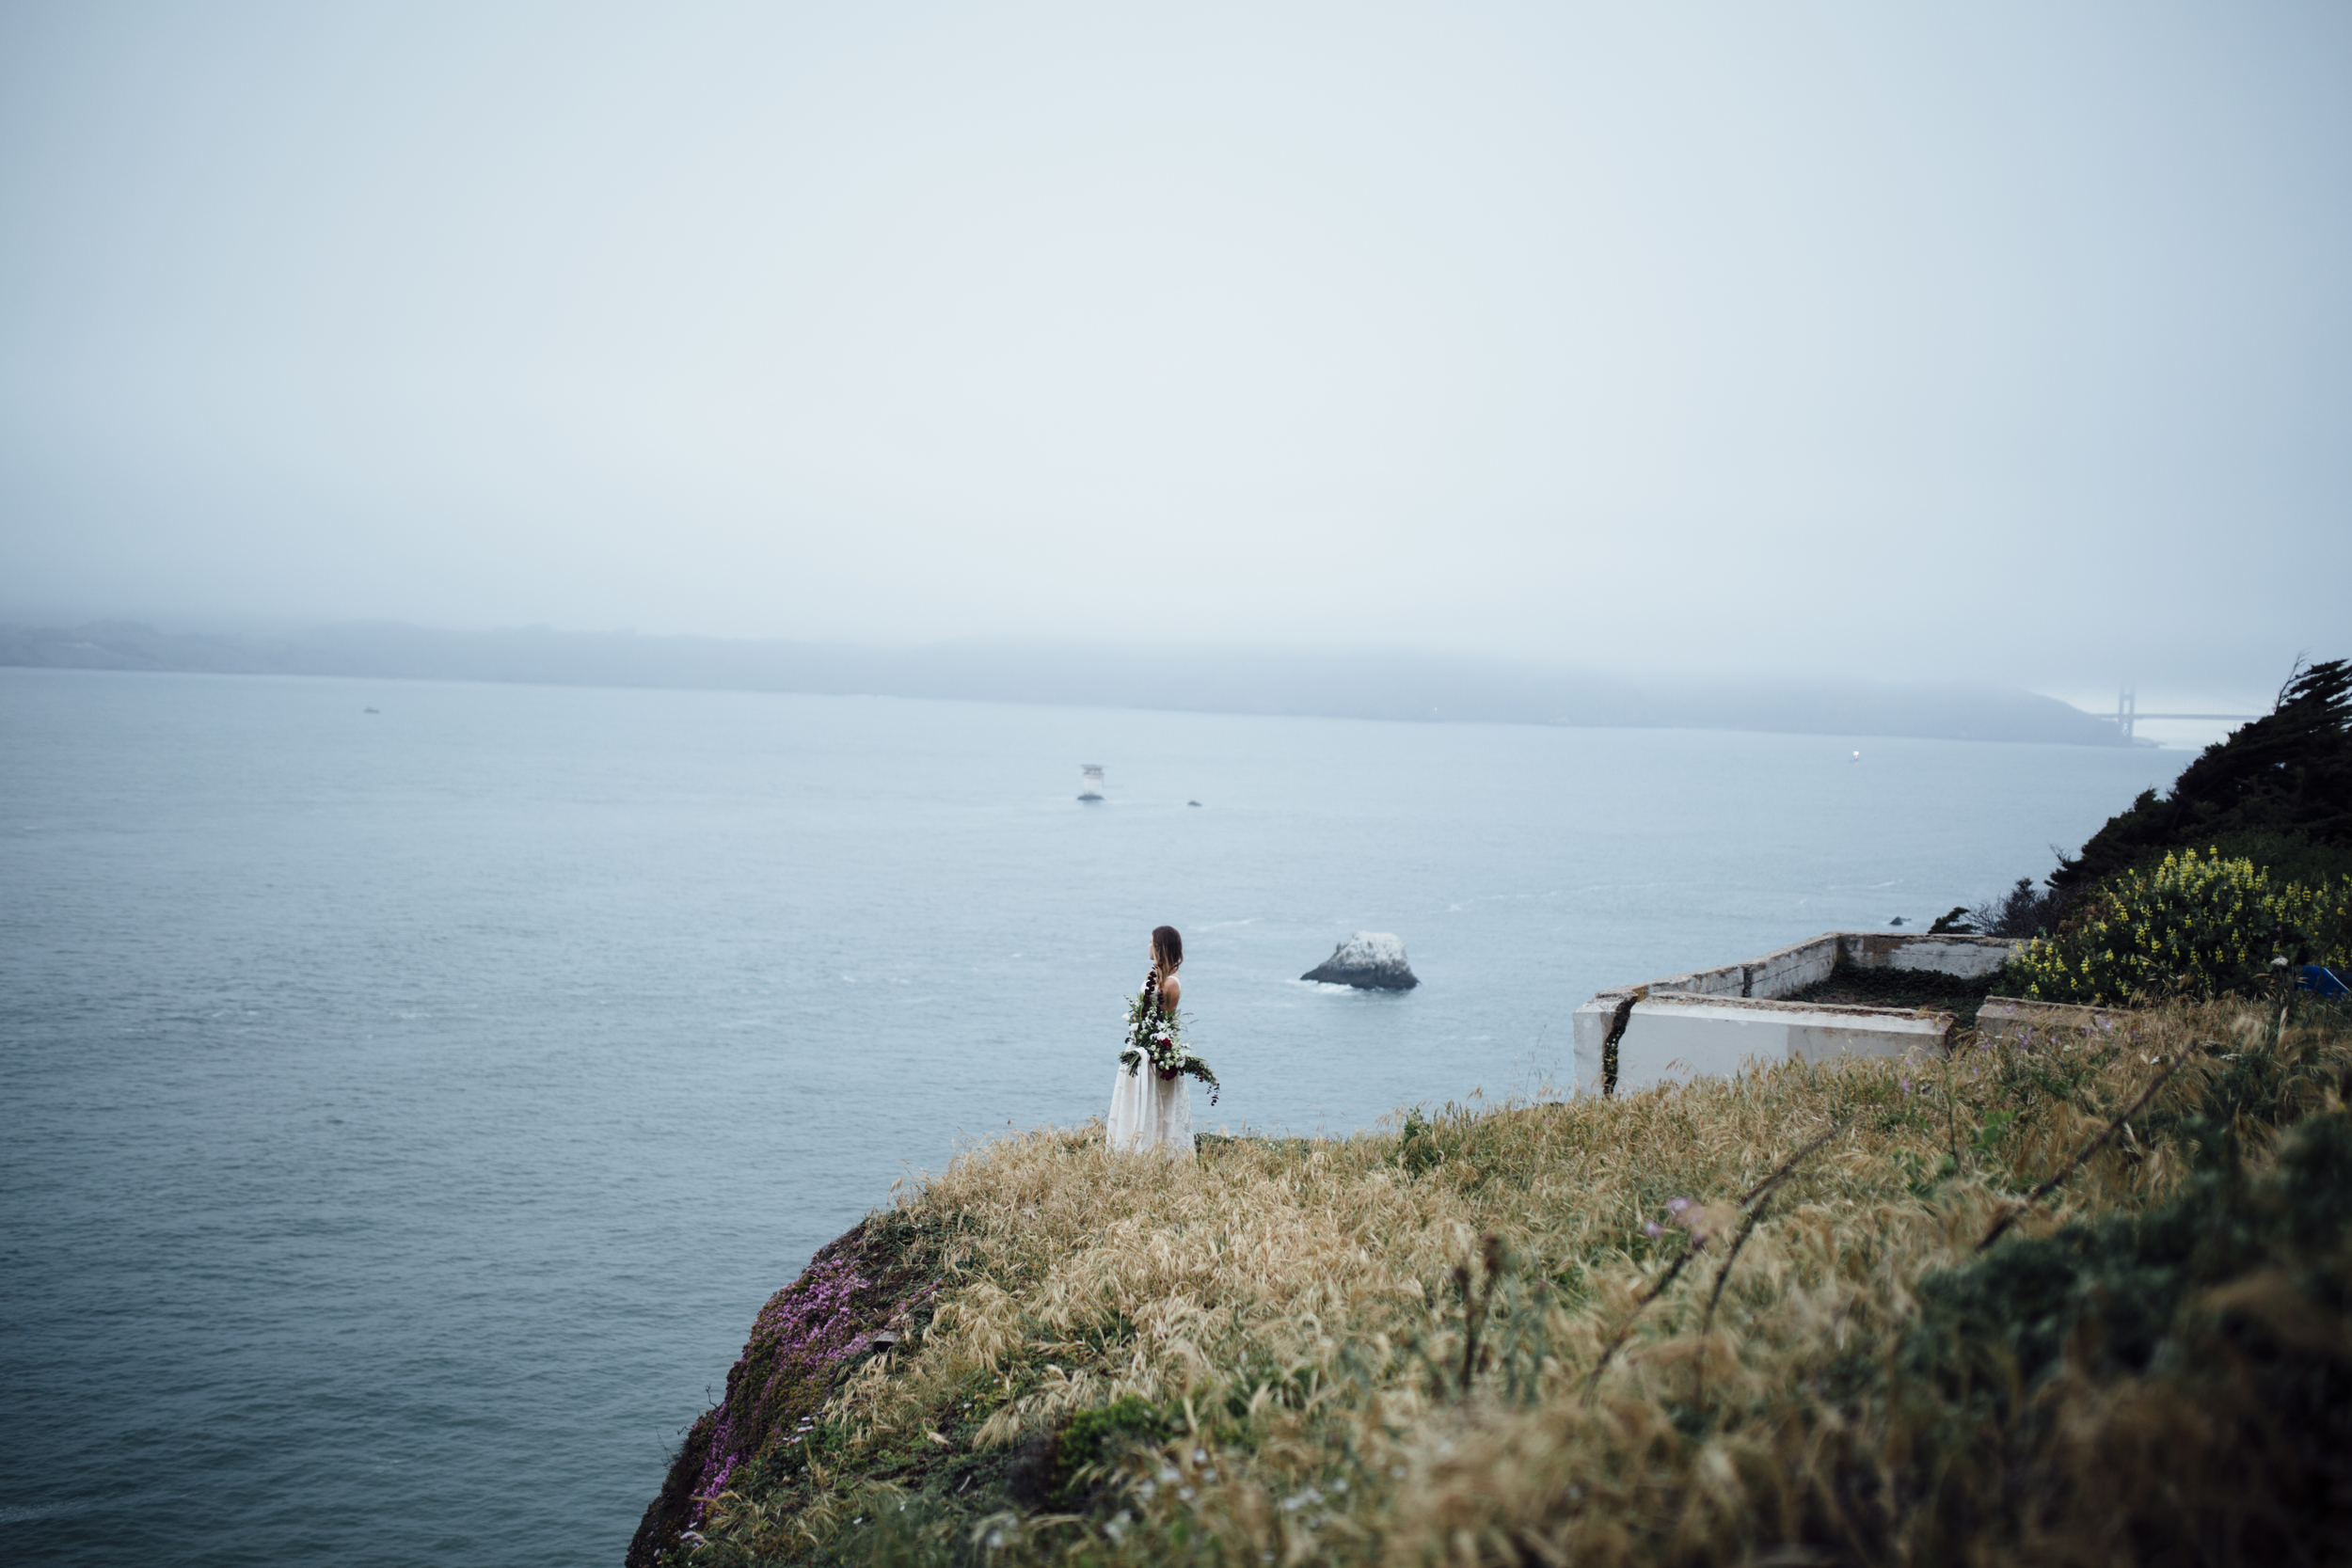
x,y
2192,924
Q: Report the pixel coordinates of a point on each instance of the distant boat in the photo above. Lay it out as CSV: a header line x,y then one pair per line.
x,y
1093,791
367,710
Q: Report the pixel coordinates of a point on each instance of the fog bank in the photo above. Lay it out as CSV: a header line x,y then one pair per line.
x,y
1371,684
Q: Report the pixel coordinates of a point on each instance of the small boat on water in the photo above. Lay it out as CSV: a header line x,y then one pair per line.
x,y
1093,772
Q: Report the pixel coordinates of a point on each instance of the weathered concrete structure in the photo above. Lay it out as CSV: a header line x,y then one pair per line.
x,y
1715,1021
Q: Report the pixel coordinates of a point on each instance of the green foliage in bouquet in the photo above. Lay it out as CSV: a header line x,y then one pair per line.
x,y
2189,925
1153,1037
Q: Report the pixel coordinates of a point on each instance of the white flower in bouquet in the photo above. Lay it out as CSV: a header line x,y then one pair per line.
x,y
1153,1035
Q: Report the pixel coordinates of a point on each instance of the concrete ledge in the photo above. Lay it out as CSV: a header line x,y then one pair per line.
x,y
1721,1042
2014,1021
1966,957
1673,1035
1794,968
1776,973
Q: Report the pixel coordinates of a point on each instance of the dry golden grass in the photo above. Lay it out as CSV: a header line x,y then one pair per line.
x,y
1303,1311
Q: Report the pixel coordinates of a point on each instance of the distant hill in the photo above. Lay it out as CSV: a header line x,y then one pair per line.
x,y
1363,685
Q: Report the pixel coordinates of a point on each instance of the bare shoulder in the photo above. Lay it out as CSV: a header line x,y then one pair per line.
x,y
1171,992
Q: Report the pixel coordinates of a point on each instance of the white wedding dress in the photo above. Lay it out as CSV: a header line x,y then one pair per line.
x,y
1151,1114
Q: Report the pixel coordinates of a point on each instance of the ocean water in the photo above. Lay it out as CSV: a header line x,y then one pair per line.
x,y
402,1113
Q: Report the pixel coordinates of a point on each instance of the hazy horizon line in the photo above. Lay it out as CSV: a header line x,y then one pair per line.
x,y
1361,682
2089,698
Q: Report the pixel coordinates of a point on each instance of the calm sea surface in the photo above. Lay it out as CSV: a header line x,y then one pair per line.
x,y
404,1113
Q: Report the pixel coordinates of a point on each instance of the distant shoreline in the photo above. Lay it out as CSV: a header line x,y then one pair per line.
x,y
1397,686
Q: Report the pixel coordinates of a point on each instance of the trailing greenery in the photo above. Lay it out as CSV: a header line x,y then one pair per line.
x,y
2191,925
2081,1302
1154,1038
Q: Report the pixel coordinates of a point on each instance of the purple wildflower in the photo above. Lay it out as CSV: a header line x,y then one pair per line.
x,y
806,1328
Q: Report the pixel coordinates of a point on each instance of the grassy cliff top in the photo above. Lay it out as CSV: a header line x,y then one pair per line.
x,y
1726,1321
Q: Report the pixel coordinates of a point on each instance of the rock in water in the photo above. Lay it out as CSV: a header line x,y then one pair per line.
x,y
1373,960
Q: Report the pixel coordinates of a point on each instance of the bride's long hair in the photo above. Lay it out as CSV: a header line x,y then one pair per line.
x,y
1168,957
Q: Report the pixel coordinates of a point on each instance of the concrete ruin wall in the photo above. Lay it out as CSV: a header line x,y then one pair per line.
x,y
1789,969
1713,1021
2019,1021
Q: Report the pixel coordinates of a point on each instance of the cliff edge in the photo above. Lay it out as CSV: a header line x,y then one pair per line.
x,y
1872,1310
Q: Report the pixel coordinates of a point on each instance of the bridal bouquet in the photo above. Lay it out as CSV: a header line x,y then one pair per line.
x,y
1151,1038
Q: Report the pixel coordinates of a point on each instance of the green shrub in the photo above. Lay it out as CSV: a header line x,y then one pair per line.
x,y
2155,1387
2190,925
2288,857
1418,1151
1094,1439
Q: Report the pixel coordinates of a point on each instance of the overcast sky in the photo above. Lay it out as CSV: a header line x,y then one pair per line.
x,y
2000,339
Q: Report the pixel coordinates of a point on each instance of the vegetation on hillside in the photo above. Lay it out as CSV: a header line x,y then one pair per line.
x,y
2243,867
2189,925
2276,792
2282,783
2080,1300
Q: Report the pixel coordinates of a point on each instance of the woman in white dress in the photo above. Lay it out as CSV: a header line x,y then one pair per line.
x,y
1150,1110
